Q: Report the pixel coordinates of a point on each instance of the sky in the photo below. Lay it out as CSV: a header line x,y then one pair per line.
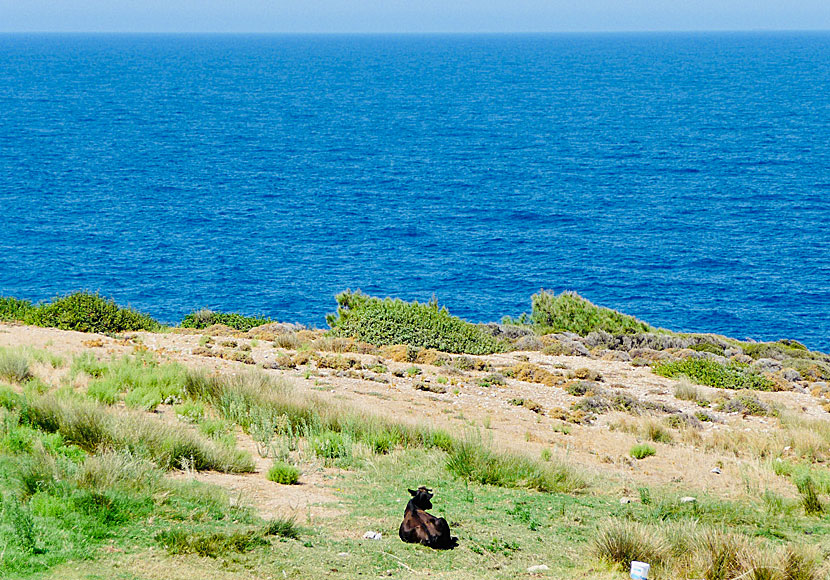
x,y
410,16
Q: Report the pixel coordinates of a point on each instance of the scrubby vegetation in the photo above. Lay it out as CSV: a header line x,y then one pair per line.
x,y
392,321
204,318
81,311
714,374
570,312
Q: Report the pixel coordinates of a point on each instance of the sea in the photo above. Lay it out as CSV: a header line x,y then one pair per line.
x,y
680,178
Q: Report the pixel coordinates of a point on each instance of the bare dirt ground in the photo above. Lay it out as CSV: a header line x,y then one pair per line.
x,y
465,407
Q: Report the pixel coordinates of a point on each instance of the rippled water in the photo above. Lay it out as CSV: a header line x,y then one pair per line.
x,y
684,179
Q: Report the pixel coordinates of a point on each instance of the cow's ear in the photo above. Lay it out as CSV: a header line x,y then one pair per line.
x,y
412,492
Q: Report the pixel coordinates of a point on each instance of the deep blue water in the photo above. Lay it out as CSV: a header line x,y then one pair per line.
x,y
684,179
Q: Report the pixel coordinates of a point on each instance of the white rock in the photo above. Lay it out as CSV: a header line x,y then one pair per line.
x,y
716,470
343,554
538,568
688,499
372,535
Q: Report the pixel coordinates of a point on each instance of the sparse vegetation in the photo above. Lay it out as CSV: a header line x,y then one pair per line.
x,y
204,318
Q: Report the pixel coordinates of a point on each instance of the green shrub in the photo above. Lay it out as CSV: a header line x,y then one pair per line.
x,y
281,472
205,318
392,321
570,312
642,450
16,310
714,374
87,312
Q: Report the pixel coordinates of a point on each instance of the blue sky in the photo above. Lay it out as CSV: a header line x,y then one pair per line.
x,y
295,16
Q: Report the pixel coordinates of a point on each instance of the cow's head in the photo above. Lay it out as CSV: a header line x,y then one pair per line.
x,y
421,497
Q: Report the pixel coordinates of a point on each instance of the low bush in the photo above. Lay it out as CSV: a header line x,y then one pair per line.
x,y
747,405
642,450
205,318
81,311
714,374
281,472
389,321
570,312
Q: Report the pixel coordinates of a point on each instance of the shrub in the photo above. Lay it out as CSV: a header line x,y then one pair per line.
x,y
747,405
389,321
642,450
714,374
87,312
570,312
16,310
281,472
204,318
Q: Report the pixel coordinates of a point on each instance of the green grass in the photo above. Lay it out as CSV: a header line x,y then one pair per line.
x,y
205,318
140,380
392,321
642,450
92,427
81,311
60,503
570,312
714,374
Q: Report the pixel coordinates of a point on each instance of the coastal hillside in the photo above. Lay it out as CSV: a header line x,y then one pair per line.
x,y
563,444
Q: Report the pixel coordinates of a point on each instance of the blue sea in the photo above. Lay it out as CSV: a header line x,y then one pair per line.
x,y
681,178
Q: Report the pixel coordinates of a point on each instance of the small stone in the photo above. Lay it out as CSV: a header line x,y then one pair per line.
x,y
688,499
716,470
343,554
372,535
537,568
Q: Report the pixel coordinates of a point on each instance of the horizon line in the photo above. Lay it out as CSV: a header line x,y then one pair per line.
x,y
419,33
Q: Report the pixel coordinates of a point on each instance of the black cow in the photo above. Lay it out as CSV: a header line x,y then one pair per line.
x,y
419,527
